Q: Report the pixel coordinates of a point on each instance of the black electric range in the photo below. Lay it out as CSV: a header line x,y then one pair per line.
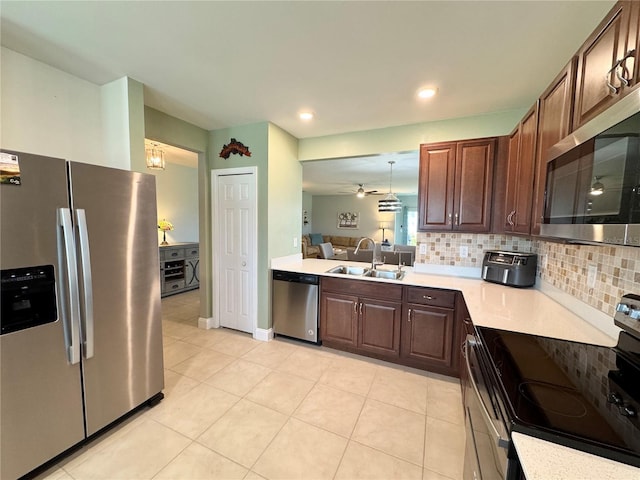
x,y
583,396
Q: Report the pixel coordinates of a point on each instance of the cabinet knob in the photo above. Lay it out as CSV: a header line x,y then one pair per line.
x,y
428,297
457,219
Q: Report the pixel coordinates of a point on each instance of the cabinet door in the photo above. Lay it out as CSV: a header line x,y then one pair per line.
x,y
596,59
339,319
526,169
427,335
511,179
379,329
473,183
435,188
521,168
192,272
555,111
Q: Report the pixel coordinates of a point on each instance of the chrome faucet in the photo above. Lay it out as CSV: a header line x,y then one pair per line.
x,y
400,264
374,260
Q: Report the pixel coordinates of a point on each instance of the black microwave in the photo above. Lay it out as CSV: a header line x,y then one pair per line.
x,y
593,179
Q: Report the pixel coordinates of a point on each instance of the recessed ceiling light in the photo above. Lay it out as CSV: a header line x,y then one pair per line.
x,y
427,92
306,115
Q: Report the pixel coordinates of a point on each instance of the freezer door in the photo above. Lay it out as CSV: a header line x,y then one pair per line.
x,y
122,289
40,392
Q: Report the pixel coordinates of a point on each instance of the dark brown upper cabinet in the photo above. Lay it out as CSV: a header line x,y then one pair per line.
x,y
520,174
607,64
555,113
455,184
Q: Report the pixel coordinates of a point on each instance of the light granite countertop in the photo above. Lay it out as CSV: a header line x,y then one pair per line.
x,y
527,310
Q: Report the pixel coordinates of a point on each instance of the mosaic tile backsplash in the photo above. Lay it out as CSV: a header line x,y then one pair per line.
x,y
565,266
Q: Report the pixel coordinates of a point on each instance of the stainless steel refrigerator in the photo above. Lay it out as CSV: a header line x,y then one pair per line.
x,y
81,341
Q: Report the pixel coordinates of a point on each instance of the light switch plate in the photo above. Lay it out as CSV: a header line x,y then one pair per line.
x,y
295,242
464,251
423,249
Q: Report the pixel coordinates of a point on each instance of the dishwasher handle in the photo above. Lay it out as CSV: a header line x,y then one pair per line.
x,y
296,277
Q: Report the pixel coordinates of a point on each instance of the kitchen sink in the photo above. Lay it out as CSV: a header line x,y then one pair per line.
x,y
388,274
349,270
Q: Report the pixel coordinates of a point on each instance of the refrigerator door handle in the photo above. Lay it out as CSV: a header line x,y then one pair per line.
x,y
69,289
87,289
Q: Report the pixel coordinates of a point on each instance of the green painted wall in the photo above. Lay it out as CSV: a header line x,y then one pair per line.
x,y
173,131
285,194
256,137
275,153
408,137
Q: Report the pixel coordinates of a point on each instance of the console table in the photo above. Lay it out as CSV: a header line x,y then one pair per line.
x,y
179,268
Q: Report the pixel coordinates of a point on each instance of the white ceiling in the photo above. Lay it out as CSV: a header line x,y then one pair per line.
x,y
356,64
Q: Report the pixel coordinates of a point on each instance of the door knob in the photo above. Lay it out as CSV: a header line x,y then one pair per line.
x,y
244,264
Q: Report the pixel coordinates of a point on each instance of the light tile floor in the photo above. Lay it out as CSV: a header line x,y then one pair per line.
x,y
237,408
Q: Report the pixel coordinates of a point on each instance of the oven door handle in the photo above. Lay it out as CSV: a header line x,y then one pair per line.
x,y
500,441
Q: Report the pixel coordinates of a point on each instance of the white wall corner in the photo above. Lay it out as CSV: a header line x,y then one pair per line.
x,y
263,334
208,323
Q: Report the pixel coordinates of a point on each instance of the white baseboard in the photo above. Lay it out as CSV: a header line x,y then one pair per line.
x,y
263,334
208,323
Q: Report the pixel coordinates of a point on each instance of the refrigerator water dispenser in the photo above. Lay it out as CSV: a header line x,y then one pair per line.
x,y
28,298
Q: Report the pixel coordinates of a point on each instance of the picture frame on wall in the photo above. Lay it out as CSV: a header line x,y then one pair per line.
x,y
350,220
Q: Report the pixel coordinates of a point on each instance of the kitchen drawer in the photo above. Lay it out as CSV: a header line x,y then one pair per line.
x,y
173,285
363,288
171,253
431,296
192,252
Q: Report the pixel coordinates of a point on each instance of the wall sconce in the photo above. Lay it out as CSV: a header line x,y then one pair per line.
x,y
155,157
597,188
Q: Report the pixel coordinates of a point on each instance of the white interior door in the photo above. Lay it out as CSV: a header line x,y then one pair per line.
x,y
235,232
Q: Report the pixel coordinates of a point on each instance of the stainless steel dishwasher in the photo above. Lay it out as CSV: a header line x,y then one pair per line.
x,y
295,305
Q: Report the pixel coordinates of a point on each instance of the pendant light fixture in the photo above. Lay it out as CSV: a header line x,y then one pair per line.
x,y
390,202
155,157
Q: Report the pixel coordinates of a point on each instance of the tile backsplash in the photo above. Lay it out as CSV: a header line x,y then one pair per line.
x,y
565,266
444,248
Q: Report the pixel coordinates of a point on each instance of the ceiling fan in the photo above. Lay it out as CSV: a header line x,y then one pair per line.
x,y
361,192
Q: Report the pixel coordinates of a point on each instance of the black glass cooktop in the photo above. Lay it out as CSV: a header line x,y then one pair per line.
x,y
584,396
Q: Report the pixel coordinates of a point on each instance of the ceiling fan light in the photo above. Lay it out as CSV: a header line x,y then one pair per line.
x,y
360,192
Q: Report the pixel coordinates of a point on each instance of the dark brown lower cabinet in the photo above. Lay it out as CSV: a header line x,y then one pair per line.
x,y
427,337
379,330
339,319
413,326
